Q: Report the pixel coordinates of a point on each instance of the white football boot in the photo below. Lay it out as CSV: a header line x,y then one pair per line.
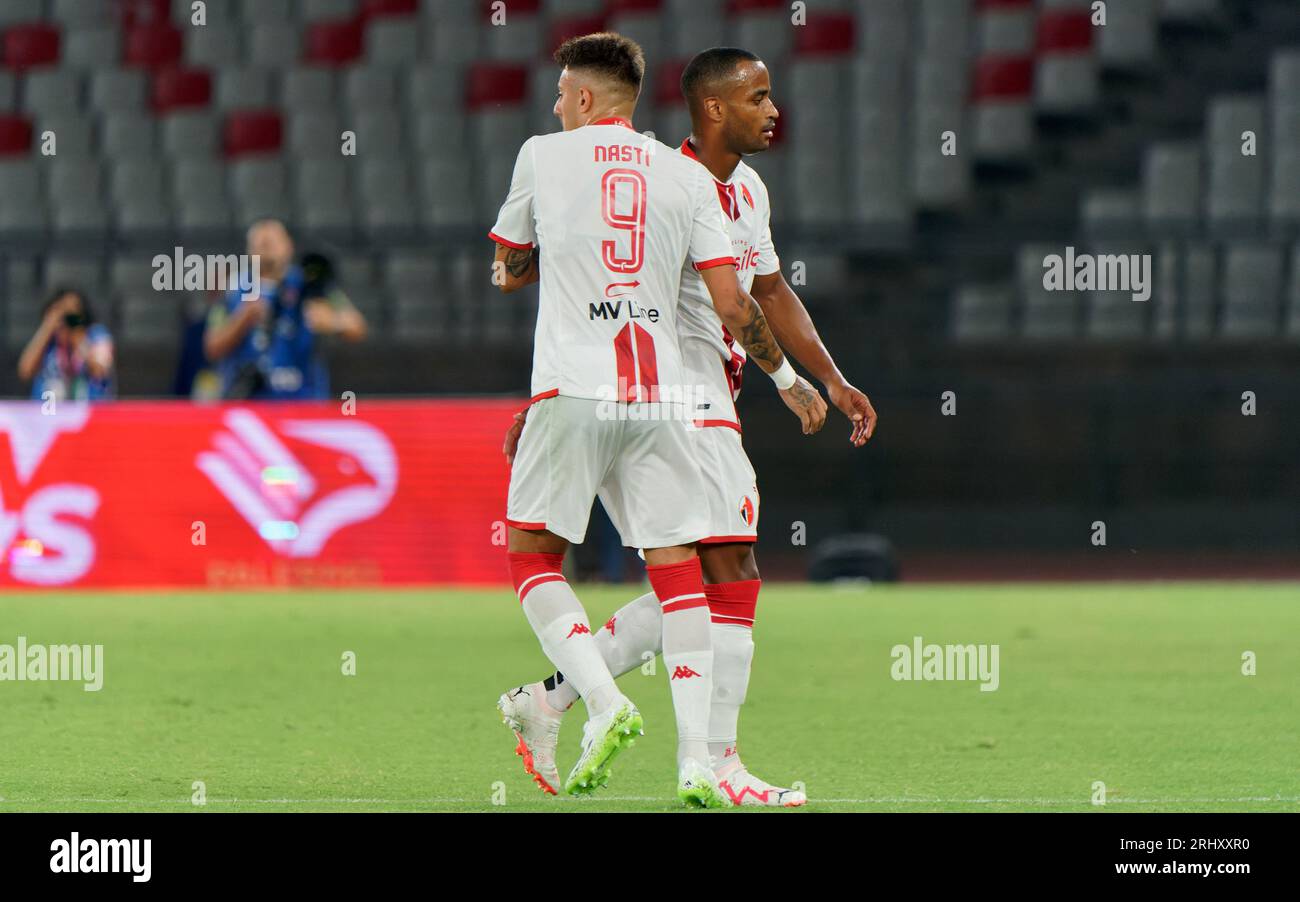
x,y
744,789
537,727
697,787
603,737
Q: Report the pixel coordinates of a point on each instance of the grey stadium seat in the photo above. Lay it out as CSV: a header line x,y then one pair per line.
x,y
1046,314
884,29
392,42
74,134
324,10
456,41
52,91
118,90
1199,286
212,46
8,91
1235,194
190,134
92,49
77,13
1115,314
1128,42
378,132
1111,211
945,28
237,89
308,89
1171,188
370,87
21,12
266,12
447,197
272,45
128,135
71,177
434,88
315,135
387,196
982,313
1252,291
147,316
81,217
199,194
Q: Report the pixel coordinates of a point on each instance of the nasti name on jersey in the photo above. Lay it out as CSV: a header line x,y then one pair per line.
x,y
623,153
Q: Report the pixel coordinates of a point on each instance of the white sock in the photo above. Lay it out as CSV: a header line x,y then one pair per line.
x,y
733,653
558,619
635,628
689,662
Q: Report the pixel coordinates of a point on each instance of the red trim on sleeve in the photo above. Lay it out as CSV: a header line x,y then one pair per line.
x,y
717,261
708,424
519,247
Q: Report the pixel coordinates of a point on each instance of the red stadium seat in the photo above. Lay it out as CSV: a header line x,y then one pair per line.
x,y
28,46
633,6
180,89
572,27
513,8
335,43
668,83
253,132
825,33
490,84
1003,77
15,135
1064,31
378,9
136,13
153,46
744,6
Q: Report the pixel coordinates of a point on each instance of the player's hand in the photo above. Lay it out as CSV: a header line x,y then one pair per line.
x,y
512,436
807,404
320,317
857,407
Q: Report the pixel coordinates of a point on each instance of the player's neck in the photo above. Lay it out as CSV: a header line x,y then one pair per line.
x,y
618,111
716,158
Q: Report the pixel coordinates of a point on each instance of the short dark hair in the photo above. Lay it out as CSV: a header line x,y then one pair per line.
x,y
709,67
612,55
60,291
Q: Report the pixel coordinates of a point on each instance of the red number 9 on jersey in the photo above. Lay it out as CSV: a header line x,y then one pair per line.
x,y
632,220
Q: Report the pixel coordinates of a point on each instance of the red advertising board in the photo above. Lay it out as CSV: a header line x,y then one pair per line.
x,y
243,495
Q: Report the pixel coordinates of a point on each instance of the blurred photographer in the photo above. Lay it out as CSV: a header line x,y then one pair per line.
x,y
71,354
265,342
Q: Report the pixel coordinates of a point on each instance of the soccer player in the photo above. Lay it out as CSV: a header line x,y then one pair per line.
x,y
732,114
605,218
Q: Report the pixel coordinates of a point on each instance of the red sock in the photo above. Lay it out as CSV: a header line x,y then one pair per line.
x,y
678,587
733,603
529,569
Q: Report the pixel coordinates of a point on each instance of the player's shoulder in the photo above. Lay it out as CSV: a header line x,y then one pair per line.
x,y
749,174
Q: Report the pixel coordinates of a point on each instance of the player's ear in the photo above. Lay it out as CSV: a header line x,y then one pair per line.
x,y
586,100
713,108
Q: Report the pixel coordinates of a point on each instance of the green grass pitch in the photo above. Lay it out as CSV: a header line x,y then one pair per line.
x,y
1137,686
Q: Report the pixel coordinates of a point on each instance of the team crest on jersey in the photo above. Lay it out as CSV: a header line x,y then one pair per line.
x,y
747,511
744,191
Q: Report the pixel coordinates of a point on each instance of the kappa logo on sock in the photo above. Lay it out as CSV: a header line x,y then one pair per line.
x,y
609,625
682,672
729,752
578,628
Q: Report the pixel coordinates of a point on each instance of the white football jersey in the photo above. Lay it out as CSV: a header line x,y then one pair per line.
x,y
747,214
616,215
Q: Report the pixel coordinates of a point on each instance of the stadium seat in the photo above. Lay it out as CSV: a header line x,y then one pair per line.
x,y
642,22
134,178
447,197
250,132
128,135
1003,119
31,46
20,12
1171,188
763,27
334,43
322,191
315,11
147,316
1046,315
92,49
70,177
309,90
456,41
1066,80
392,42
153,46
1235,185
72,14
1252,291
178,89
74,269
266,12
1293,296
199,193
945,28
1006,28
191,134
884,31
52,91
79,218
118,91
314,135
387,196
368,88
1189,12
982,313
494,85
379,131
1111,211
272,45
1128,41
243,88
8,91
444,134
213,45
434,87
1114,315
15,135
74,133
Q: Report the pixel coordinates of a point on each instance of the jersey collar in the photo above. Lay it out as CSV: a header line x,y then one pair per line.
x,y
613,120
689,151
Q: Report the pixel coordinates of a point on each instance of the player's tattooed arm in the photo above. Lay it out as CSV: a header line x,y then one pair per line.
x,y
515,267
